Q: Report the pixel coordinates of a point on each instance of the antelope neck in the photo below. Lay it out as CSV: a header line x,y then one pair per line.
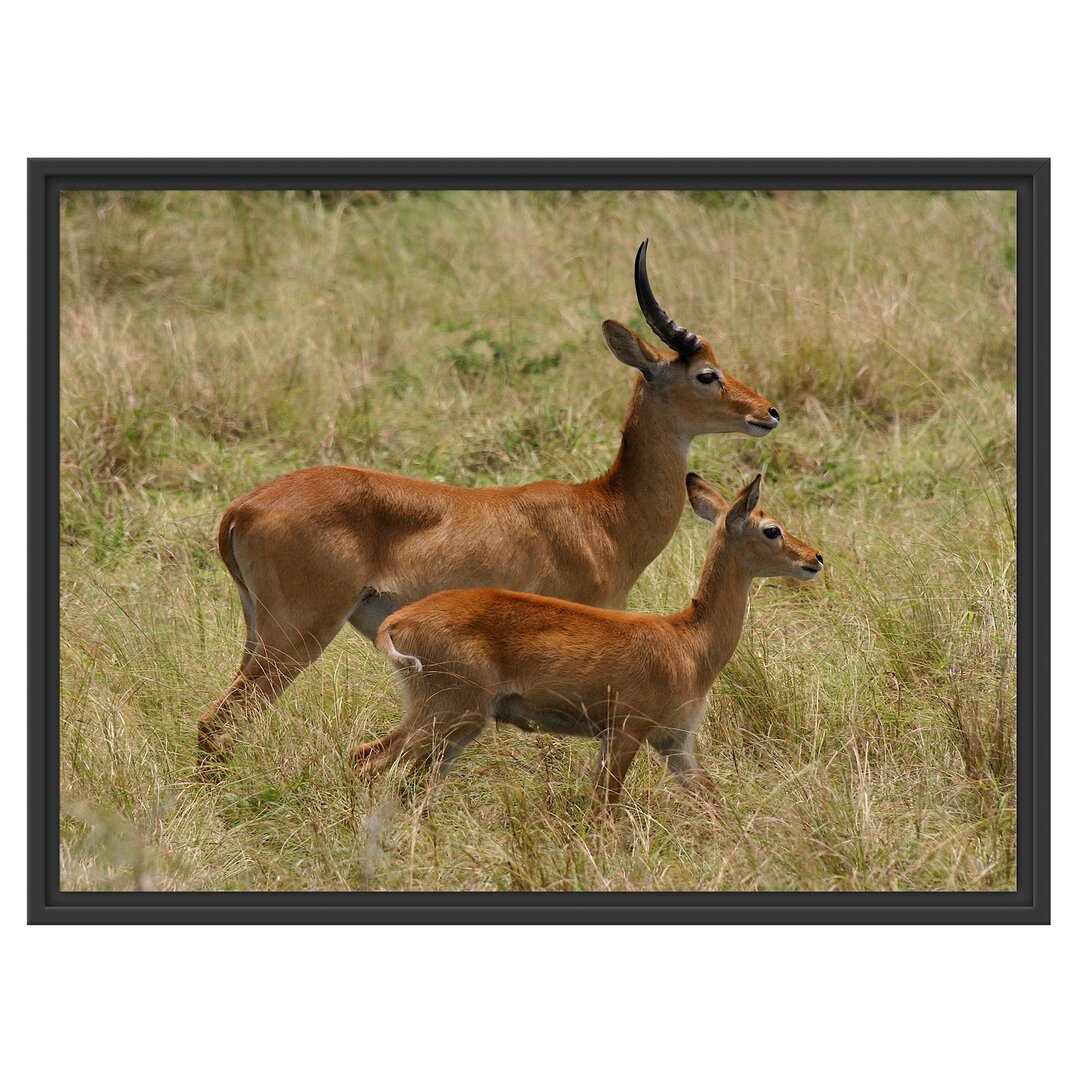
x,y
718,610
648,479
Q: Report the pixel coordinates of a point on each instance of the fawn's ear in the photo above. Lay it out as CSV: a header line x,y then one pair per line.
x,y
632,350
707,502
744,503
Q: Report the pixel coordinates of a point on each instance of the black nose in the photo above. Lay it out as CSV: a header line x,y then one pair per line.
x,y
820,559
774,414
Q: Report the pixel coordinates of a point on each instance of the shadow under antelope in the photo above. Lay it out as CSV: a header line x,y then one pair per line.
x,y
469,656
322,547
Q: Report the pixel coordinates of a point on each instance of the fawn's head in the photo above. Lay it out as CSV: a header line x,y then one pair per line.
x,y
761,545
701,397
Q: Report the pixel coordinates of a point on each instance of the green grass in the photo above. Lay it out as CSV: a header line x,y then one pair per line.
x,y
863,735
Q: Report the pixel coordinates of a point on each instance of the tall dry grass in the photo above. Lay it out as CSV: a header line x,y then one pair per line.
x,y
863,735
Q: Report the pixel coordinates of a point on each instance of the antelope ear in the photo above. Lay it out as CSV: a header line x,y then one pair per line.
x,y
745,502
707,502
631,350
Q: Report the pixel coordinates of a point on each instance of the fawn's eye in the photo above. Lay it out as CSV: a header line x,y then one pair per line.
x,y
772,532
707,377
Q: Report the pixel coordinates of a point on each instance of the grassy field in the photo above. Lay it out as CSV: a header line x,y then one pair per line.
x,y
863,735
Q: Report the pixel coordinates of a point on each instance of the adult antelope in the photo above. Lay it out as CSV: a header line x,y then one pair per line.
x,y
317,548
467,656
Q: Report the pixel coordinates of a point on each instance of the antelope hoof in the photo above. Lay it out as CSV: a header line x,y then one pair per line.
x,y
362,757
211,753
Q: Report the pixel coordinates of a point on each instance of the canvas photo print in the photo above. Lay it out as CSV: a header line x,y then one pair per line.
x,y
538,541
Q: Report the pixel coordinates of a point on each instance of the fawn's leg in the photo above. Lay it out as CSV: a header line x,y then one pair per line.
x,y
618,746
455,743
678,754
443,715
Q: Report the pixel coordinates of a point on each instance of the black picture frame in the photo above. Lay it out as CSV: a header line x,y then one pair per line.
x,y
1028,177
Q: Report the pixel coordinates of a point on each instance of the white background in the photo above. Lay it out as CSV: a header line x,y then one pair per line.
x,y
551,79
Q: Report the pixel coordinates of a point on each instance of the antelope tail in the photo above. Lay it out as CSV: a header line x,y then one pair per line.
x,y
398,659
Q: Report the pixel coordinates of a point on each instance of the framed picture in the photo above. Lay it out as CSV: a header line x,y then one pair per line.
x,y
687,509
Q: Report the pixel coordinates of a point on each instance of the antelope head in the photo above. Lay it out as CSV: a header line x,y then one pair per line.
x,y
701,397
761,545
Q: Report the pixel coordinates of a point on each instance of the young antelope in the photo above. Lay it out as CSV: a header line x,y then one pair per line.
x,y
467,656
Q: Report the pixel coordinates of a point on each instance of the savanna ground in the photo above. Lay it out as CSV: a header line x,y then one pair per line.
x,y
863,736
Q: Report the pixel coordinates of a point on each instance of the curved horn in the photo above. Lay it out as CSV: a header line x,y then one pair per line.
x,y
665,328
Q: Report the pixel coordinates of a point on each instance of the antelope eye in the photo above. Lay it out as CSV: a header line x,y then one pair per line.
x,y
772,532
707,377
